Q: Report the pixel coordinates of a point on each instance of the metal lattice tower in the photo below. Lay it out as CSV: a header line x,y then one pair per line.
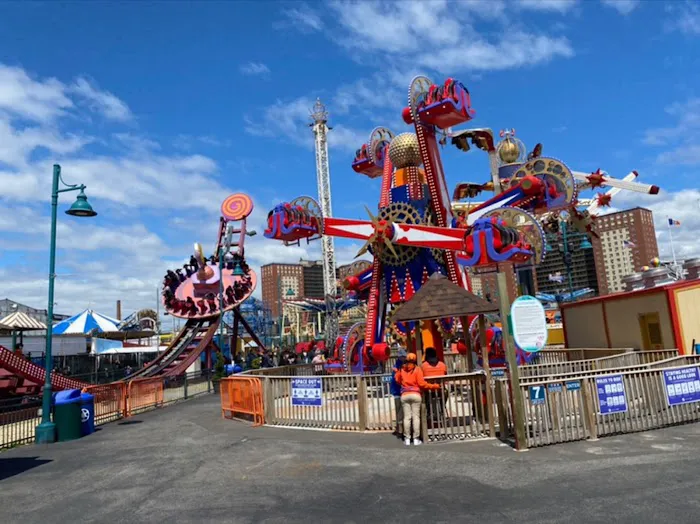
x,y
319,119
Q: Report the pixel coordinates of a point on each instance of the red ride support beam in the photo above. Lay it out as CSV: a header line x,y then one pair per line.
x,y
437,186
375,307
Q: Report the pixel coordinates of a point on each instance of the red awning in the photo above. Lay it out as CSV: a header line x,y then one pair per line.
x,y
321,345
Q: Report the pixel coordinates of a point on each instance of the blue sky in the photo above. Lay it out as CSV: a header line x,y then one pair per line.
x,y
163,109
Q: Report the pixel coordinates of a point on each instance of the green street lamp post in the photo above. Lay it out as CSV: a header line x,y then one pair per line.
x,y
46,431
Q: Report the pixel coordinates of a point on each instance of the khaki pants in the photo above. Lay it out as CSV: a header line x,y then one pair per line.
x,y
399,415
411,414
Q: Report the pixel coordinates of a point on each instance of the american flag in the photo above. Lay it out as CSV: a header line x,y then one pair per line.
x,y
628,243
672,222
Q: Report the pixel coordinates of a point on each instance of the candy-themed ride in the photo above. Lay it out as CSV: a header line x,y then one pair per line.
x,y
206,288
415,232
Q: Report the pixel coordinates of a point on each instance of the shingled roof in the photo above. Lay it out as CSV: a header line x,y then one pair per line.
x,y
440,298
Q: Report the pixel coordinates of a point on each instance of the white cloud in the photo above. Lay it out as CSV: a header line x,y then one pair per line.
x,y
682,138
559,6
303,18
102,102
405,38
686,17
34,100
254,69
624,7
290,121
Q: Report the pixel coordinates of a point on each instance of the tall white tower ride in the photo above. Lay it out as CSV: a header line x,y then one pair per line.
x,y
319,119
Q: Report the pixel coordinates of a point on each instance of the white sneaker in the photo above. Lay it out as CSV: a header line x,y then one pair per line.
x,y
407,441
417,442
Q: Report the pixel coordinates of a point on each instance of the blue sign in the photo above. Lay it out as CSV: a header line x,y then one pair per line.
x,y
554,388
682,385
537,395
573,386
306,391
387,378
611,394
498,373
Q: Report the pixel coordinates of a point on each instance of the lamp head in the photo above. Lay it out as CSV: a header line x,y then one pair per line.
x,y
238,270
586,244
81,207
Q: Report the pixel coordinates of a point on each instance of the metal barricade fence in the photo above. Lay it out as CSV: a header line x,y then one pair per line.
x,y
19,418
563,410
144,394
461,409
242,398
110,401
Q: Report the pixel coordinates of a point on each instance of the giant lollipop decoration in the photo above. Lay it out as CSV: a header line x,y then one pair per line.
x,y
236,207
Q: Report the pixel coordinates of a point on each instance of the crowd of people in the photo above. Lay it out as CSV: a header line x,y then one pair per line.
x,y
210,303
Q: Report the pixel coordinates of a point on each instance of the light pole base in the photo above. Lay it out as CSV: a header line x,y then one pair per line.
x,y
45,433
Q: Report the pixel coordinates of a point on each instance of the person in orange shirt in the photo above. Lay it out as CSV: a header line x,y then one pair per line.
x,y
432,367
410,378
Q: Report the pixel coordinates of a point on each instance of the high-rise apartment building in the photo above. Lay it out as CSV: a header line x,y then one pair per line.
x,y
277,280
313,278
484,282
627,241
553,271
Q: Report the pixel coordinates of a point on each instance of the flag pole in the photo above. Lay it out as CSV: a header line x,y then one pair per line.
x,y
673,250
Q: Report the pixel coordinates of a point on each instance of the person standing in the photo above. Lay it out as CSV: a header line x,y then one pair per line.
x,y
395,390
410,378
434,402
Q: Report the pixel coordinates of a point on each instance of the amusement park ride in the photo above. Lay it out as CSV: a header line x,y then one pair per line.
x,y
418,231
208,289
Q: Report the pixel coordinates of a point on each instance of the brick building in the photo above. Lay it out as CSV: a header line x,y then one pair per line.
x,y
627,241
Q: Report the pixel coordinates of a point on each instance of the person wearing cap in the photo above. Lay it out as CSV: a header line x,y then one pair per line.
x,y
410,378
395,390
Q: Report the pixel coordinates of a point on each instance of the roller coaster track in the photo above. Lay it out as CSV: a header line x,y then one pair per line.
x,y
26,377
184,349
35,375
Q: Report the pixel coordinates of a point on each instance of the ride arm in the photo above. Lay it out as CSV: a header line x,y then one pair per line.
x,y
591,180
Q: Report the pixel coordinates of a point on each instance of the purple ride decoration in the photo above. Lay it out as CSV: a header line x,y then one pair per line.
x,y
306,391
682,385
611,394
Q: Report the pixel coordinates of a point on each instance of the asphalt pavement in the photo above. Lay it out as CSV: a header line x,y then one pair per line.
x,y
184,463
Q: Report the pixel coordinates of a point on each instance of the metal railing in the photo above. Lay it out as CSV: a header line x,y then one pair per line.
x,y
567,409
20,416
630,358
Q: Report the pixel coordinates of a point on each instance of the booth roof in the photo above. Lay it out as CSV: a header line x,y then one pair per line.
x,y
440,298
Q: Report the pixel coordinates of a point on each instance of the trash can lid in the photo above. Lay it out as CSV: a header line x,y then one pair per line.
x,y
68,396
87,397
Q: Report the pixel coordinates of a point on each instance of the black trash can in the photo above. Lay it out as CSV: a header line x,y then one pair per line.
x,y
66,415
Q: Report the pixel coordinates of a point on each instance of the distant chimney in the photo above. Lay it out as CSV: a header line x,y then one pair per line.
x,y
119,309
692,267
656,276
633,282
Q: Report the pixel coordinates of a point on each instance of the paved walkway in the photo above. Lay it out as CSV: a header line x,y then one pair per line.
x,y
185,464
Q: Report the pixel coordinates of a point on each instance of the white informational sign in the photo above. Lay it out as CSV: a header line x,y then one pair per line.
x,y
529,323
